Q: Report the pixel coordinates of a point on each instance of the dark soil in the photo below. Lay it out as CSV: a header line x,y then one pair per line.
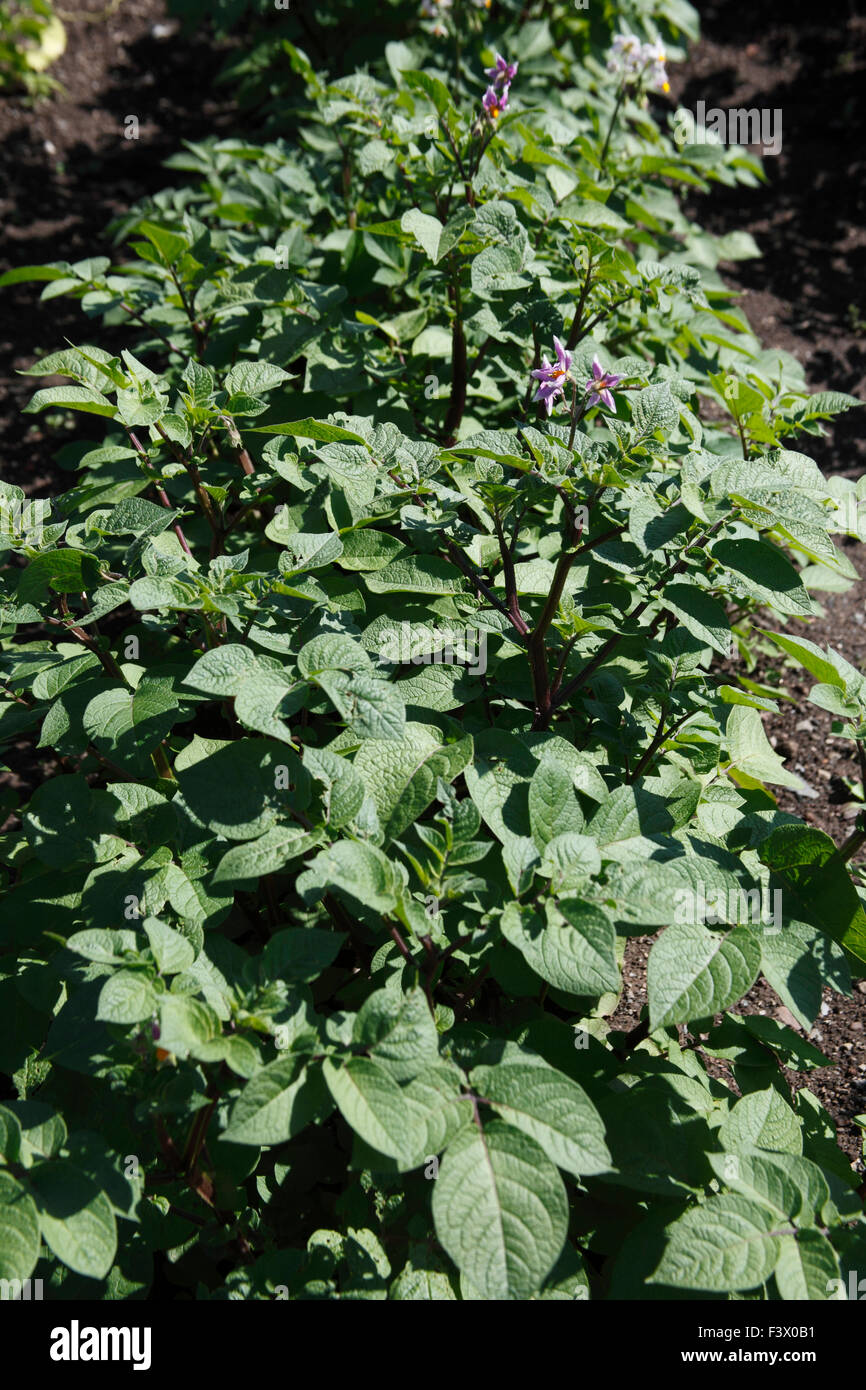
x,y
807,295
66,170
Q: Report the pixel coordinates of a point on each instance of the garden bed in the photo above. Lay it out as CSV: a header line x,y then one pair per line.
x,y
69,170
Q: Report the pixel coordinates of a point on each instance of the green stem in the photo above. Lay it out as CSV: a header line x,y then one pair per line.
x,y
619,101
459,379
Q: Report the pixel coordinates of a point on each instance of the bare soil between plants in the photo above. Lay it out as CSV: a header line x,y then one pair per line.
x,y
66,169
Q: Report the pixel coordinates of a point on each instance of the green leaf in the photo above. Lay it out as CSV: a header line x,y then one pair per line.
x,y
371,705
653,409
127,997
762,1120
569,860
553,807
427,231
230,785
76,1219
415,1285
101,945
23,273
724,1245
344,790
816,885
436,1097
311,429
43,1131
161,592
435,91
10,1136
333,651
398,1031
357,871
762,572
304,550
169,245
629,813
402,774
84,398
693,972
750,750
704,617
573,948
366,549
277,1103
807,1267
251,378
416,574
222,671
257,702
796,963
185,1024
300,954
171,951
19,1229
792,1187
500,1210
370,1100
829,668
551,1108
64,571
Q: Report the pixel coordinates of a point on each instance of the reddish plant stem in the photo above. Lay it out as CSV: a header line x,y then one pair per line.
x,y
459,381
160,491
237,443
111,668
106,659
602,654
511,597
151,327
204,498
616,304
658,739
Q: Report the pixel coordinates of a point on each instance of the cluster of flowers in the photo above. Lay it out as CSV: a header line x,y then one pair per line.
x,y
633,60
501,75
438,9
552,379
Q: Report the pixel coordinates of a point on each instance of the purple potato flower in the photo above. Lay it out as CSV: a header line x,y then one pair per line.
x,y
502,71
600,387
552,378
495,101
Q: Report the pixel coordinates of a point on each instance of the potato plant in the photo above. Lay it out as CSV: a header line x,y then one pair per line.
x,y
391,658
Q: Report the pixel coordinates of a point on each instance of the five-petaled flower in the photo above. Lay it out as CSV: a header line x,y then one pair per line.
x,y
552,378
635,61
502,72
600,386
625,55
495,101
